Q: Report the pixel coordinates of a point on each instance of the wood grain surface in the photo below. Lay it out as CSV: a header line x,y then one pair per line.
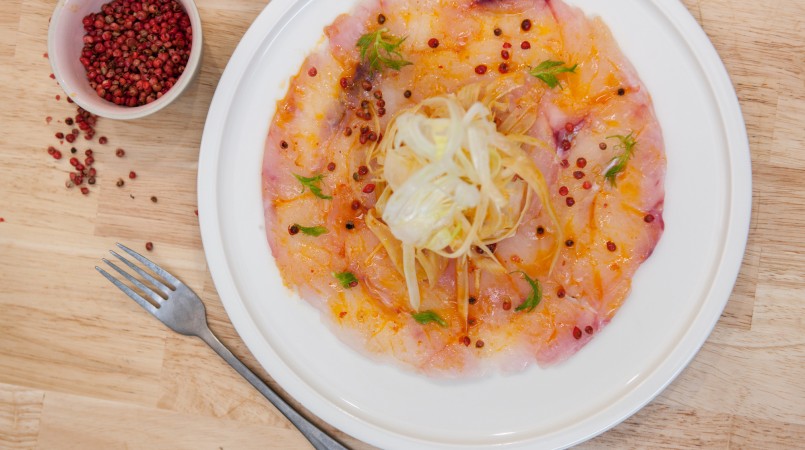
x,y
81,367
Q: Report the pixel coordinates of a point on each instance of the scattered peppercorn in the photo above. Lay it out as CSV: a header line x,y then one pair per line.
x,y
293,229
503,68
350,225
356,205
369,188
381,19
103,140
407,94
366,85
85,190
577,333
526,25
563,191
479,344
348,132
472,300
578,174
602,146
525,45
588,329
480,69
132,175
570,201
149,246
466,341
649,218
363,170
560,292
433,43
353,284
565,163
566,145
498,31
569,243
283,144
621,92
540,231
59,135
120,182
587,185
507,45
153,199
73,150
581,163
507,305
505,54
120,153
331,166
611,246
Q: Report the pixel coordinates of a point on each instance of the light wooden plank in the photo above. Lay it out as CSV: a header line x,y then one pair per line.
x,y
73,422
20,411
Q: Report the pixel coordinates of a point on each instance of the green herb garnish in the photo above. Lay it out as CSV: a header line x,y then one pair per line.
x,y
426,317
381,49
530,303
312,184
346,279
311,231
627,144
547,71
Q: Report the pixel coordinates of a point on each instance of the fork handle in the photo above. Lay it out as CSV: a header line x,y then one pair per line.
x,y
317,437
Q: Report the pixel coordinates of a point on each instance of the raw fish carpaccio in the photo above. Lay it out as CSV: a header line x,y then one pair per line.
x,y
320,190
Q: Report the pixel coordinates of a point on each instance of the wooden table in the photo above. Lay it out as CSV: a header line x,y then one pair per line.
x,y
82,367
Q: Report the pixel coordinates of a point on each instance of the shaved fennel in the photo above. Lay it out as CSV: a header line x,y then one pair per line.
x,y
453,181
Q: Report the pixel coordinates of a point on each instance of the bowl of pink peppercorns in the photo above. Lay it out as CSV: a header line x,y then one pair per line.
x,y
124,59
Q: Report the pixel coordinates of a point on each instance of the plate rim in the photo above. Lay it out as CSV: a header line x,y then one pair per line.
x,y
725,276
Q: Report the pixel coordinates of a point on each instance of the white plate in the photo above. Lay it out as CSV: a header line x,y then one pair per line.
x,y
677,297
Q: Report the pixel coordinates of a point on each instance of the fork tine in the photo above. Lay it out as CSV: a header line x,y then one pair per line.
x,y
134,296
156,283
147,262
145,289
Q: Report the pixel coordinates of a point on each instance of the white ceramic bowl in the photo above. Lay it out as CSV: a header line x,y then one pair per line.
x,y
65,42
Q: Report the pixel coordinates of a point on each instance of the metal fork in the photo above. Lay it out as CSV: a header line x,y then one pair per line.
x,y
178,307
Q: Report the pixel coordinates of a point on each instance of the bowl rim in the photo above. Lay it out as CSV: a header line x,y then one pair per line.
x,y
108,109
